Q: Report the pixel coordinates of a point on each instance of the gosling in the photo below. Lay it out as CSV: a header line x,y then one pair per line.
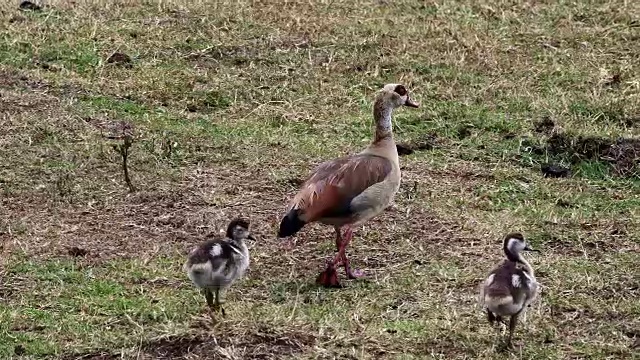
x,y
511,287
216,264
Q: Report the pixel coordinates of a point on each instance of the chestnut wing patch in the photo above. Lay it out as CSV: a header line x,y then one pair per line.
x,y
328,192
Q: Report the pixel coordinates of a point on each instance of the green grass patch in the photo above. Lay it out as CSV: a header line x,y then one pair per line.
x,y
232,104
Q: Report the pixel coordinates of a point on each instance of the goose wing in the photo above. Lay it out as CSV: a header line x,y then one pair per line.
x,y
330,189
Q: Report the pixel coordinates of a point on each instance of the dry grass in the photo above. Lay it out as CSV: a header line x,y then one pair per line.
x,y
231,103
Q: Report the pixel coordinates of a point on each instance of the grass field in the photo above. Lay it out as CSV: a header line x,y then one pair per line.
x,y
232,103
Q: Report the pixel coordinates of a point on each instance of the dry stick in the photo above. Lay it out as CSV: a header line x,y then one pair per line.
x,y
124,151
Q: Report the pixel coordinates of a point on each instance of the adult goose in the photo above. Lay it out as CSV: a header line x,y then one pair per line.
x,y
350,190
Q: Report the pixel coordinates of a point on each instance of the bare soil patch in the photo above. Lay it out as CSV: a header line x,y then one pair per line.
x,y
14,80
622,154
426,142
260,344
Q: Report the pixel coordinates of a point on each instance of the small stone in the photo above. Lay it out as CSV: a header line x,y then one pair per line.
x,y
77,252
545,125
29,6
555,171
119,59
563,203
404,149
19,350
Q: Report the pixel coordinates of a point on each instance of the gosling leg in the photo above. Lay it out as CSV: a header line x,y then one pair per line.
x,y
209,296
512,327
218,303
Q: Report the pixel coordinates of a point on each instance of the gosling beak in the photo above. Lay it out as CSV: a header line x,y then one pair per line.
x,y
527,248
410,103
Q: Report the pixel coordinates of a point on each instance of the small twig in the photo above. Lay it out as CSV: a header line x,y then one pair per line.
x,y
124,151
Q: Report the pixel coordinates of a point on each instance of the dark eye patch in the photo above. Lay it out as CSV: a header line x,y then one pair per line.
x,y
400,90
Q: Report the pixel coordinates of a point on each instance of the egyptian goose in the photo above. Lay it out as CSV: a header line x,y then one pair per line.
x,y
215,264
511,287
350,190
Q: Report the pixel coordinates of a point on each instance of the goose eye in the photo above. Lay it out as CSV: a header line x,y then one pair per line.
x,y
400,90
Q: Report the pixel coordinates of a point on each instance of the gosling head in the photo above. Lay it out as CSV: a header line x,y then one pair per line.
x,y
238,230
396,95
514,244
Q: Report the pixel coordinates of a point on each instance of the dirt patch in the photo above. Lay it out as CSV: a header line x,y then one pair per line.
x,y
97,355
544,125
16,102
150,223
259,344
588,243
110,129
622,154
632,121
426,142
77,252
37,88
120,59
231,54
257,50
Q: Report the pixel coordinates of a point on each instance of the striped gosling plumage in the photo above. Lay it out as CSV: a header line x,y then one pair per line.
x,y
511,286
215,264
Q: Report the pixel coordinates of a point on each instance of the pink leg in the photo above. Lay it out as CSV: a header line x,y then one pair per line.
x,y
344,240
341,257
338,238
329,277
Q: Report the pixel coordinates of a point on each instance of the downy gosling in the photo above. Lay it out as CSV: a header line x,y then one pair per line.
x,y
216,264
510,287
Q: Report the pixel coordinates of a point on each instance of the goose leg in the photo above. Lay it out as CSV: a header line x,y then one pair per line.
x,y
341,242
512,327
217,306
493,320
329,277
338,238
491,317
209,296
342,255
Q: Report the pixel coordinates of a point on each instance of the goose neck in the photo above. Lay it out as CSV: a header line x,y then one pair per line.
x,y
526,264
382,115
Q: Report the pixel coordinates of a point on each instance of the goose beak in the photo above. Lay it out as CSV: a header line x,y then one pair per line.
x,y
250,237
527,248
411,103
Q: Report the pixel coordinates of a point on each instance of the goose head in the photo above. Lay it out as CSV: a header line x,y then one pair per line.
x,y
514,244
238,230
396,95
